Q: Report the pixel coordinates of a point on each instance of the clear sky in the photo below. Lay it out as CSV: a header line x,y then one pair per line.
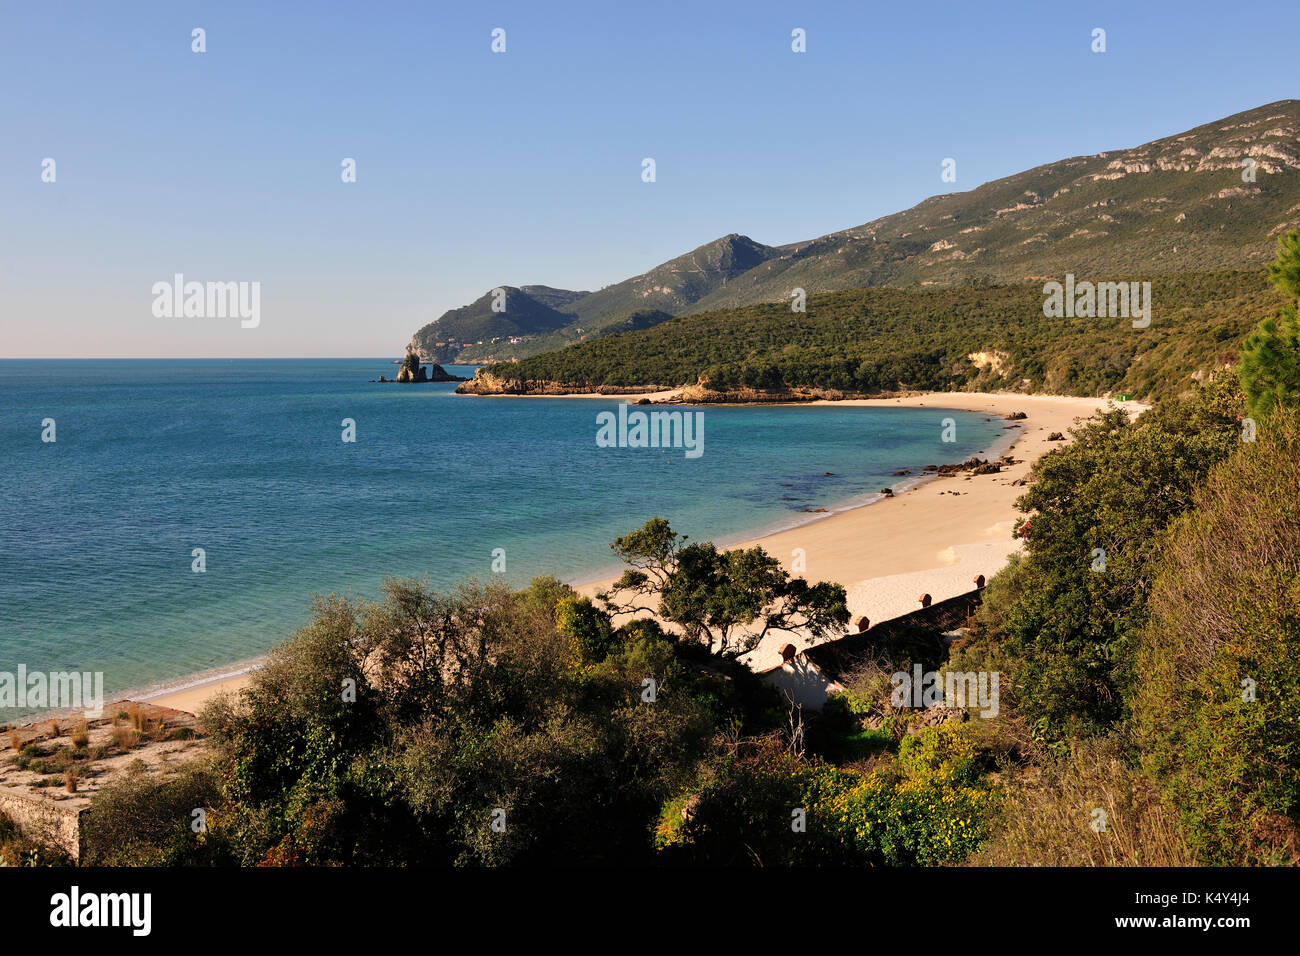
x,y
477,169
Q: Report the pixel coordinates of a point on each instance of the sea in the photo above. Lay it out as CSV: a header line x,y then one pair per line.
x,y
186,512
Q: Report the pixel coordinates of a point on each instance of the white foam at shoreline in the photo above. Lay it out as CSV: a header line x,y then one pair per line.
x,y
189,682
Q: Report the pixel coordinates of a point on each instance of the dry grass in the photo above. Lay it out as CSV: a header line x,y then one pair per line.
x,y
80,735
70,780
15,741
1051,816
125,737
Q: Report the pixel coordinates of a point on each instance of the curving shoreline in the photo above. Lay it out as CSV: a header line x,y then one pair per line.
x,y
885,551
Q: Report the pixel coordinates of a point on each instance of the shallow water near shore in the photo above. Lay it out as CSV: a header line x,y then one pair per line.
x,y
245,460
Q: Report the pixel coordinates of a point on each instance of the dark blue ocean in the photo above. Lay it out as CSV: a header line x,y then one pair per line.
x,y
244,459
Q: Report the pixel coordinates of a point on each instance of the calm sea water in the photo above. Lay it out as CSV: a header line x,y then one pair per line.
x,y
244,459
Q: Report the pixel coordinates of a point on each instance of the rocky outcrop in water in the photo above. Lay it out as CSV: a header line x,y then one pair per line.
x,y
412,371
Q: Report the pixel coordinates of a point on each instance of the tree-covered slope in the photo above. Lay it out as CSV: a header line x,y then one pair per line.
x,y
526,311
679,283
1184,203
882,339
543,318
504,350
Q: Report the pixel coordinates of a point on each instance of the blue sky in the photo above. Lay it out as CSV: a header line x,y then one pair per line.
x,y
477,169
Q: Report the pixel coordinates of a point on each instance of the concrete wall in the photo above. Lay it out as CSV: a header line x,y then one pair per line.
x,y
802,681
810,677
44,820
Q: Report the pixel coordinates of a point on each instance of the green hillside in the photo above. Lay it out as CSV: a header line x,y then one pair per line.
x,y
528,311
1177,204
678,284
883,339
1174,205
666,290
502,350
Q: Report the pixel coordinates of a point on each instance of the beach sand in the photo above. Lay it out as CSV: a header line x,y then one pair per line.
x,y
934,538
192,699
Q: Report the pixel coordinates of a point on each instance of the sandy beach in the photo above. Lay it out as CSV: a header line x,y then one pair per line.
x,y
934,538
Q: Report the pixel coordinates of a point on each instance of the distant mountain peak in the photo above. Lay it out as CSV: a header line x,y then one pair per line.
x,y
1185,202
502,313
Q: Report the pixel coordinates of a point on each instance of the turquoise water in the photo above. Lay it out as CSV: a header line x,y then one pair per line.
x,y
244,459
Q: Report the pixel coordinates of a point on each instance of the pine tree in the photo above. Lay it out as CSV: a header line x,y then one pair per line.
x,y
1270,356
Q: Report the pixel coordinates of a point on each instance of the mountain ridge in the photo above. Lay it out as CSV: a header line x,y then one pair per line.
x,y
1179,203
670,288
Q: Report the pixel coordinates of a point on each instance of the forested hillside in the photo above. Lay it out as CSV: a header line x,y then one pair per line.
x,y
1212,198
882,339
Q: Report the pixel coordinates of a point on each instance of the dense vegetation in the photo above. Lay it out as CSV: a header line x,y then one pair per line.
x,y
502,350
1160,686
1216,699
487,726
546,318
534,310
1270,359
1147,639
1159,695
869,340
1096,513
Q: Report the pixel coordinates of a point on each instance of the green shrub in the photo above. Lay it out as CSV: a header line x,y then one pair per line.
x,y
460,709
1270,356
748,812
926,808
1066,626
1217,708
590,635
141,821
